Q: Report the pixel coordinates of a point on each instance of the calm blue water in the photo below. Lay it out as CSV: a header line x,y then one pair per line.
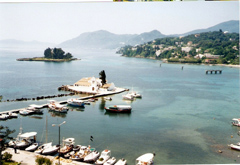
x,y
184,115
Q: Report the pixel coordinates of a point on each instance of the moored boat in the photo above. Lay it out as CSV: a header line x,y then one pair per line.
x,y
128,97
81,154
67,146
12,115
110,161
92,157
32,147
26,140
235,146
56,107
236,122
50,150
121,162
146,159
36,106
105,155
75,102
119,108
4,117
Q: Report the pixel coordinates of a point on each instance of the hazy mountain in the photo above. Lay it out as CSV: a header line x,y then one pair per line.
x,y
230,26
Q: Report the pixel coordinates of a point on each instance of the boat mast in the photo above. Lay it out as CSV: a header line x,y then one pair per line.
x,y
46,130
20,129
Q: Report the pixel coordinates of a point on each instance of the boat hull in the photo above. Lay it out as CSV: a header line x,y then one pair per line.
x,y
119,109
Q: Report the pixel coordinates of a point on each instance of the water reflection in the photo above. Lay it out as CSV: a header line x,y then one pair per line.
x,y
102,104
114,114
57,114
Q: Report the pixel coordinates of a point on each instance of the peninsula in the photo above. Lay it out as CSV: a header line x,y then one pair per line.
x,y
52,55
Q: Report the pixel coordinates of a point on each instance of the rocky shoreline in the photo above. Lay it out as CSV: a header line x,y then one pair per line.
x,y
46,59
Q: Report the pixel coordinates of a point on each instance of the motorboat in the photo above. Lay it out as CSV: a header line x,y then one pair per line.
x,y
27,111
76,102
50,150
32,147
105,155
12,115
81,154
67,146
235,146
4,117
56,107
26,139
146,159
86,102
119,108
76,148
128,97
236,122
92,157
42,147
110,161
121,162
135,94
69,154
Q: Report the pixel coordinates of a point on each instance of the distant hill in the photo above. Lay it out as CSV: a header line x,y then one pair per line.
x,y
230,26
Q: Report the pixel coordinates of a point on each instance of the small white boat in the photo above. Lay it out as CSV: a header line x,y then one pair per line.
x,y
236,122
135,94
4,117
235,146
27,111
105,155
92,157
110,161
50,150
146,159
36,106
69,154
121,162
76,148
91,100
81,154
128,97
56,107
42,147
13,115
76,102
32,147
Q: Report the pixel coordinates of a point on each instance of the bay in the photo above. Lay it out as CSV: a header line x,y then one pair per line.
x,y
184,115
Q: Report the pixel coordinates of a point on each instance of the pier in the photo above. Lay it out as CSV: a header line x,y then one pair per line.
x,y
214,71
106,93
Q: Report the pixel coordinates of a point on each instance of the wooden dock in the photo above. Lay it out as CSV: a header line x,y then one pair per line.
x,y
214,71
120,90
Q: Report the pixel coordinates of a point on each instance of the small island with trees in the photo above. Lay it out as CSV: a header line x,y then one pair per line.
x,y
52,55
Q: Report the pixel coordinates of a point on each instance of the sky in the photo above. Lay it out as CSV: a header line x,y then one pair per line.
x,y
58,22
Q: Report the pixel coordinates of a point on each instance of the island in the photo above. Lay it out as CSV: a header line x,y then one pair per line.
x,y
52,55
217,47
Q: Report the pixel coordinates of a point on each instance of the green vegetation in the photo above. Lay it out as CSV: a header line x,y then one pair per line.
x,y
102,76
52,55
216,47
56,53
41,160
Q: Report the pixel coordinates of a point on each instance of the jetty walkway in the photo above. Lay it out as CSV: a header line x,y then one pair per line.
x,y
28,158
100,94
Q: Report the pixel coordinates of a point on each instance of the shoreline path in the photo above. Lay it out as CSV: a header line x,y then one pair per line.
x,y
28,158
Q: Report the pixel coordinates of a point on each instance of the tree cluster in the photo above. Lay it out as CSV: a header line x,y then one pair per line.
x,y
56,53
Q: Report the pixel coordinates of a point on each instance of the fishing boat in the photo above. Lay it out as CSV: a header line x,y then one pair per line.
x,y
235,146
121,162
236,122
92,157
81,154
110,161
56,107
146,159
75,102
119,108
67,146
32,147
26,139
128,97
105,155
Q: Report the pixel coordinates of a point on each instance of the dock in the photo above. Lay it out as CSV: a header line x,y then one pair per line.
x,y
214,71
106,93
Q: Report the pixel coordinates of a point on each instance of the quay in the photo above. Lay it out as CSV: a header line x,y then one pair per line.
x,y
105,93
214,71
28,158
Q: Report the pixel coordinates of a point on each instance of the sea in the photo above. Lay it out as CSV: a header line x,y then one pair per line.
x,y
184,115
